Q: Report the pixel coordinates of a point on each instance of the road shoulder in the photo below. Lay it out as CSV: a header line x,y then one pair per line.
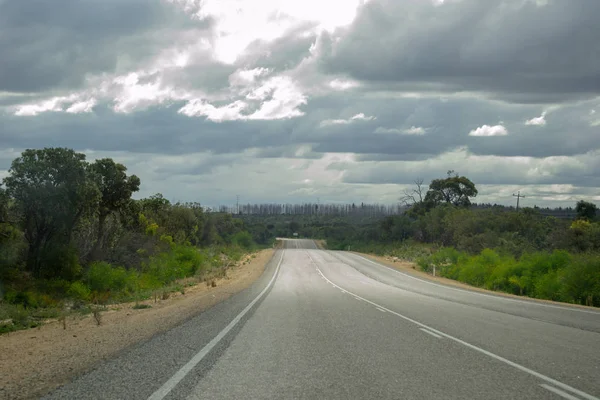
x,y
411,269
35,361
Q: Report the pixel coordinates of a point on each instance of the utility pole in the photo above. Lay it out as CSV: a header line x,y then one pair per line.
x,y
518,196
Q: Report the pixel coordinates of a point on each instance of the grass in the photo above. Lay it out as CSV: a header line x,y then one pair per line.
x,y
104,284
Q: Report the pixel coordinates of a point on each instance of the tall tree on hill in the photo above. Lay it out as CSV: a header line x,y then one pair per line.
x,y
586,210
115,188
454,189
52,191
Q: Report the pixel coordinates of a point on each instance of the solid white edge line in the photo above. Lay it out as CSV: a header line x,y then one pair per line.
x,y
559,392
380,309
479,349
179,375
430,333
477,293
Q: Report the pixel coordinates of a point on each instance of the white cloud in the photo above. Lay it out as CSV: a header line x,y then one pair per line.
x,y
362,117
134,95
343,84
357,117
199,107
247,77
285,99
413,130
82,106
486,130
73,104
53,104
239,23
277,98
537,121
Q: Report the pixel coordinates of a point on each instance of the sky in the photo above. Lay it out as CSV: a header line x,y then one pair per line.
x,y
294,101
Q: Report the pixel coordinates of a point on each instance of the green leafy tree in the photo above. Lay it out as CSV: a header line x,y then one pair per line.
x,y
454,189
115,188
586,210
53,191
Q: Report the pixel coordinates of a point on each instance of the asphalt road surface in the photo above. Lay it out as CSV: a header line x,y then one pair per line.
x,y
333,325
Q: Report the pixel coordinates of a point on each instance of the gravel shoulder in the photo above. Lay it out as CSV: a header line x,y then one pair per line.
x,y
35,361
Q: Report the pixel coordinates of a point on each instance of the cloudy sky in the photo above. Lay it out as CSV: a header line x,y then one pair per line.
x,y
290,101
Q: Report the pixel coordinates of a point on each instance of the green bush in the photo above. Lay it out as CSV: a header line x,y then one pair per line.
x,y
180,262
79,291
549,286
103,277
581,281
25,299
243,239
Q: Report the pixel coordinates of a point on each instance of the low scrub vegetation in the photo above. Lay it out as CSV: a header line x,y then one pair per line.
x,y
557,275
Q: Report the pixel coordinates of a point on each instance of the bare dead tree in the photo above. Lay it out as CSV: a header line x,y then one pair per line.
x,y
415,195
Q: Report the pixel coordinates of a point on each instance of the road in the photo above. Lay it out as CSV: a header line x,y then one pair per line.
x,y
334,325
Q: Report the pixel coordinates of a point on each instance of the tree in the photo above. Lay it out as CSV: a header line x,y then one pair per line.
x,y
4,202
115,188
414,196
454,189
53,191
586,210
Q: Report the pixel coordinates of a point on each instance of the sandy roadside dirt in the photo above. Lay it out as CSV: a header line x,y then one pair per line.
x,y
412,269
35,361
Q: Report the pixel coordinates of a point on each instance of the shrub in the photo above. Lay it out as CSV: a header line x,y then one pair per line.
x,y
243,239
79,291
549,286
103,277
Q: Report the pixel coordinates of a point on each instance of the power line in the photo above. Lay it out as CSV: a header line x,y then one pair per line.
x,y
518,196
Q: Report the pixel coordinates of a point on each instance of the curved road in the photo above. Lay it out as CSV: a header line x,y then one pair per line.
x,y
334,325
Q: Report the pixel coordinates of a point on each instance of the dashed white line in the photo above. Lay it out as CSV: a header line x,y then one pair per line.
x,y
169,385
471,346
559,392
431,333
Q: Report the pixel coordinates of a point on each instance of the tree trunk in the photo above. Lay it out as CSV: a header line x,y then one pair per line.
x,y
95,252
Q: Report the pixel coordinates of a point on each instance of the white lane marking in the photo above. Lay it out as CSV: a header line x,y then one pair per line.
x,y
431,333
559,392
380,309
478,293
169,385
357,298
471,346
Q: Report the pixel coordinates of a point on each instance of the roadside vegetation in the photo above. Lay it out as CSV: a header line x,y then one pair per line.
x,y
523,252
72,239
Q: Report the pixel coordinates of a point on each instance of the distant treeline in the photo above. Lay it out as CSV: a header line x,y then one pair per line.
x,y
366,209
372,210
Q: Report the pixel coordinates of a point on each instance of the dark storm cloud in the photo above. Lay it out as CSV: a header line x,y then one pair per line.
x,y
512,49
447,124
55,44
156,130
